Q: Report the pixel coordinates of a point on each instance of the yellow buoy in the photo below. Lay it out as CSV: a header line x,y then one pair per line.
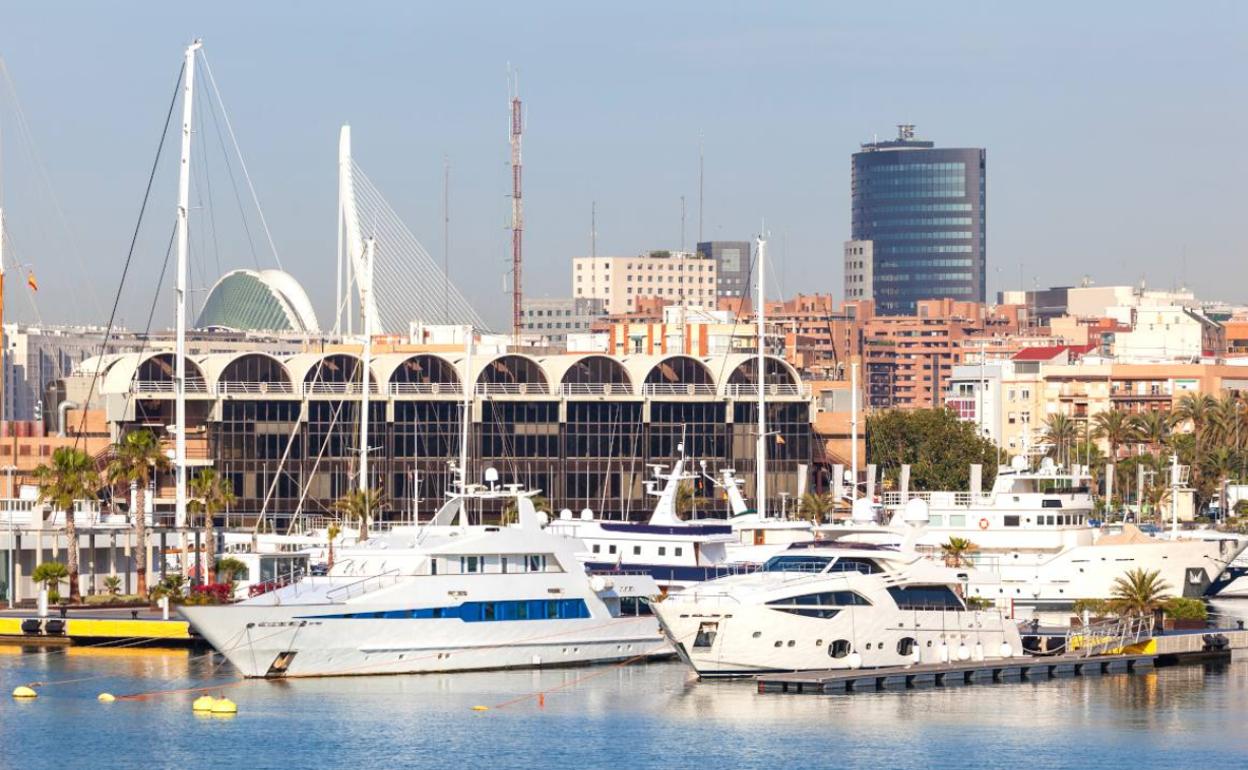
x,y
106,697
24,692
224,706
480,708
203,703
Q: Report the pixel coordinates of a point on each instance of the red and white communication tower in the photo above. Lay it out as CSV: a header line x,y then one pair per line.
x,y
517,208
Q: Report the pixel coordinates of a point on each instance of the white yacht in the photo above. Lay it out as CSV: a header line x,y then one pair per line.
x,y
834,605
676,552
1034,539
446,596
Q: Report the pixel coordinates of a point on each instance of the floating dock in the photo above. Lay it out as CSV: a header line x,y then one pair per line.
x,y
841,681
113,630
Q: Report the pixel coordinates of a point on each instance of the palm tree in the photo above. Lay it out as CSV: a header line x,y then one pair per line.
x,y
71,476
229,568
210,494
1152,428
815,506
1196,410
1114,427
511,511
1059,431
1228,421
1140,592
957,552
688,499
50,574
134,461
360,504
332,532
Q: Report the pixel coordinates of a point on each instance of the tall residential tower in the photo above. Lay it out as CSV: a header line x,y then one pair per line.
x,y
922,210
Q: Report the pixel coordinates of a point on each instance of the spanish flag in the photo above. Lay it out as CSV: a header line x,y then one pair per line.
x,y
30,281
779,439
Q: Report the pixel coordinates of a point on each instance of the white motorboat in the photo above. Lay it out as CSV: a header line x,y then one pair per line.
x,y
446,596
1034,538
834,605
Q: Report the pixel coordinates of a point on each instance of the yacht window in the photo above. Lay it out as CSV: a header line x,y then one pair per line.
x,y
924,597
662,550
1054,503
849,564
469,564
611,549
679,550
597,548
636,550
957,520
905,646
536,563
936,519
795,563
839,649
1011,521
502,563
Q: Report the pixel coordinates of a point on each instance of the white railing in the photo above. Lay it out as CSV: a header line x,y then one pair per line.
x,y
942,499
167,386
595,389
337,388
425,389
677,389
512,389
363,586
750,390
229,388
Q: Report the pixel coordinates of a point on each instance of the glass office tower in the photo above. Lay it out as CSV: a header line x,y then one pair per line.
x,y
923,209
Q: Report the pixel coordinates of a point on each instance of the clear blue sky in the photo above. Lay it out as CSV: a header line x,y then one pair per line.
x,y
1115,132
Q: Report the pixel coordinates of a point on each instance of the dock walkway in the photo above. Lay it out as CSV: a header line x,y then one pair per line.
x,y
89,627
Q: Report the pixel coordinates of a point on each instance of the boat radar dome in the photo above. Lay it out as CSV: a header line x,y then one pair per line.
x,y
915,511
861,510
1018,463
587,514
565,514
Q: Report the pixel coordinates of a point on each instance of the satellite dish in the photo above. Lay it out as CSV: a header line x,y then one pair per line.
x,y
491,475
915,511
565,514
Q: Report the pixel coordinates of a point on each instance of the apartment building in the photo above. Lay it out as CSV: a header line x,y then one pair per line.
x,y
680,277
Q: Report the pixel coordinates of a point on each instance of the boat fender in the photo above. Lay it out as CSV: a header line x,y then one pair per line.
x,y
983,524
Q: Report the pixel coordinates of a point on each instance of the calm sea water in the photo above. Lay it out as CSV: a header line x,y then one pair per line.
x,y
640,716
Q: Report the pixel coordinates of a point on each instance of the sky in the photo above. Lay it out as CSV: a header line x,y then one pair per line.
x,y
1114,132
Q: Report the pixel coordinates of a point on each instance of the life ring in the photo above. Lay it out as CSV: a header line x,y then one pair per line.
x,y
983,524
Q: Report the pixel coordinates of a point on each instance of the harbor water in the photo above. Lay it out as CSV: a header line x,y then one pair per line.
x,y
636,716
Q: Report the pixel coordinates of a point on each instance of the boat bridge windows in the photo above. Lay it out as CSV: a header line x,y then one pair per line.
x,y
494,564
925,598
826,604
478,612
797,563
856,564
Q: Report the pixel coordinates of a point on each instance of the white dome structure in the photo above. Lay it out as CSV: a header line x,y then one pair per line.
x,y
258,300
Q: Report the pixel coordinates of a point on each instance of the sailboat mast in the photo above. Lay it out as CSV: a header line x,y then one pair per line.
x,y
366,299
760,450
465,419
184,204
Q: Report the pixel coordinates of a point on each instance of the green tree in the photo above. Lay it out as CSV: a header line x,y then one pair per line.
x,y
229,568
957,551
360,505
1152,428
1059,432
1113,426
816,506
211,493
332,533
1196,411
112,584
687,499
135,459
511,511
1140,592
938,447
50,575
71,476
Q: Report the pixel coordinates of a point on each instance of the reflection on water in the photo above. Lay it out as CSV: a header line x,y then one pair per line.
x,y
653,715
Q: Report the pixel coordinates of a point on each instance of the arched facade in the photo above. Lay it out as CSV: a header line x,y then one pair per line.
x,y
512,374
424,373
253,373
596,375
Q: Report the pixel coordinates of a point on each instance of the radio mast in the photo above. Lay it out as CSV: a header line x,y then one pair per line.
x,y
517,207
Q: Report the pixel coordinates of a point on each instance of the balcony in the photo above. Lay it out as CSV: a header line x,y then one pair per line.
x,y
677,389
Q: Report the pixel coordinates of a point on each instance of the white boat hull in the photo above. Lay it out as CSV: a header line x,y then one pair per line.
x,y
289,641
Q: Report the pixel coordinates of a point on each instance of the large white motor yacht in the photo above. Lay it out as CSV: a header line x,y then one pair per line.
x,y
834,605
445,596
1036,544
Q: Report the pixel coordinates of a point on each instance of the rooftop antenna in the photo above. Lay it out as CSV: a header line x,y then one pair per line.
x,y
593,228
701,177
517,204
682,223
